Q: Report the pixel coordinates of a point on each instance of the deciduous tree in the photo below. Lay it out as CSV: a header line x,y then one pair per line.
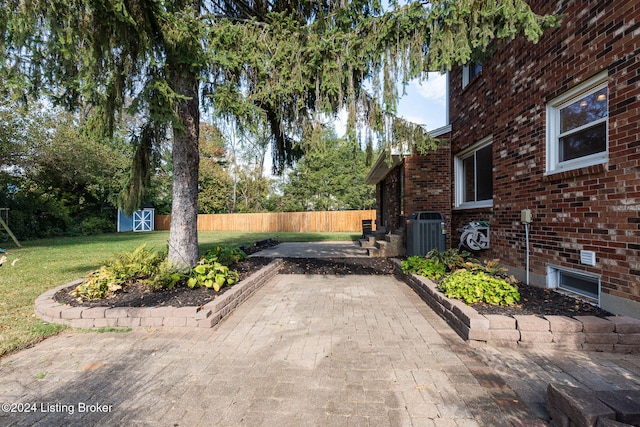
x,y
329,177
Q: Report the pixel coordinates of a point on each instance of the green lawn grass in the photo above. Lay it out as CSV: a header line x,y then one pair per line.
x,y
44,264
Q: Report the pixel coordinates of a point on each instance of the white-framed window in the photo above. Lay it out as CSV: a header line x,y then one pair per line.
x,y
576,282
577,126
474,175
469,72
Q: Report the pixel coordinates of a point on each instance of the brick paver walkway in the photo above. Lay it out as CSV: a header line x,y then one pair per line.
x,y
304,350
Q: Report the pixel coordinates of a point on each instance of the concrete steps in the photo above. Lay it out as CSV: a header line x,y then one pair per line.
x,y
572,406
382,245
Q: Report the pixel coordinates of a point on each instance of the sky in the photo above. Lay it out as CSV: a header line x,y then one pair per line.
x,y
424,104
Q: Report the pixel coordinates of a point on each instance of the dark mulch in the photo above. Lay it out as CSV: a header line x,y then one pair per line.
x,y
534,301
543,302
137,295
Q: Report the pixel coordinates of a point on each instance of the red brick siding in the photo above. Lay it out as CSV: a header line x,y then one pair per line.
x,y
389,190
425,187
427,184
595,208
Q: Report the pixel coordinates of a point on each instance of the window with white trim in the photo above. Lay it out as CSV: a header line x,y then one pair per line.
x,y
575,282
469,72
474,176
577,126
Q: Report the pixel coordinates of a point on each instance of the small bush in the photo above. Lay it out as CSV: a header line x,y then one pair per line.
x,y
97,225
142,264
426,267
139,264
473,287
98,285
224,255
165,277
452,259
436,264
491,267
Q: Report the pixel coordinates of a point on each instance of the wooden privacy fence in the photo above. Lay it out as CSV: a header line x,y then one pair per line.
x,y
302,222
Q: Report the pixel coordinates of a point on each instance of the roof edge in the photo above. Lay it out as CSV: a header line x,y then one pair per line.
x,y
381,167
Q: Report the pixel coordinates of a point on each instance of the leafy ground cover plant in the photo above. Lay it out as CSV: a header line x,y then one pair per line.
x,y
152,269
473,287
426,267
126,267
463,277
225,255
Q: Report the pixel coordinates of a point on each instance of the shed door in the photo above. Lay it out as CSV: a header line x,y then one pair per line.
x,y
143,220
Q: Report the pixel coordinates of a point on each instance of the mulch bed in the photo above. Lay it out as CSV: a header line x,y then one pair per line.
x,y
534,301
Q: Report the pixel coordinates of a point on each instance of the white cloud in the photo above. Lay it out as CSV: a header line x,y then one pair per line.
x,y
424,103
432,89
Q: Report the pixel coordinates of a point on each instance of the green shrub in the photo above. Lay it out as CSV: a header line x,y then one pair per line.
x,y
139,264
491,267
452,258
98,285
127,267
436,264
97,225
472,287
426,267
225,255
164,277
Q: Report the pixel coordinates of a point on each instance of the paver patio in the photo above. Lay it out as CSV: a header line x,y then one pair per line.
x,y
303,350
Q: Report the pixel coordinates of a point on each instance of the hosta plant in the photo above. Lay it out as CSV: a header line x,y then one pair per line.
x,y
211,274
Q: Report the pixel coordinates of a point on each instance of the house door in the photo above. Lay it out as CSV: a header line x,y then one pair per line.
x,y
143,220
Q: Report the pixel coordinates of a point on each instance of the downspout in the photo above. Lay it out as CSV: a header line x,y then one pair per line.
x,y
526,218
526,234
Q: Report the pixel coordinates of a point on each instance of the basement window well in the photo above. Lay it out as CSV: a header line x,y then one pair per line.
x,y
578,283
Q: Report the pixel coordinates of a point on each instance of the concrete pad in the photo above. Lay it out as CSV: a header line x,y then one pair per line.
x,y
314,250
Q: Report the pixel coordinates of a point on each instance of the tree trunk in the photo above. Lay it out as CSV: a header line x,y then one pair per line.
x,y
183,234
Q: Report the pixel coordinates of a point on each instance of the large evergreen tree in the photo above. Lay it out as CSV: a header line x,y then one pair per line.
x,y
281,60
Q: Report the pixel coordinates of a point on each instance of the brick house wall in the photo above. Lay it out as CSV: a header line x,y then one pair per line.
x,y
417,183
427,184
389,206
594,208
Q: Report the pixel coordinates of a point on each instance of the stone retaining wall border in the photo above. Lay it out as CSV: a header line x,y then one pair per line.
x,y
206,316
612,334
